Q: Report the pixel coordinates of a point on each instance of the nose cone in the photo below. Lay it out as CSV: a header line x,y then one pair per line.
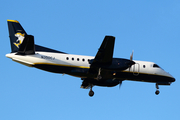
x,y
173,79
170,78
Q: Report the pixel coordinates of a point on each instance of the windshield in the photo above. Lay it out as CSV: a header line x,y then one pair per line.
x,y
156,66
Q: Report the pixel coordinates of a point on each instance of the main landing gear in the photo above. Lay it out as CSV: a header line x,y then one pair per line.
x,y
91,92
157,89
99,77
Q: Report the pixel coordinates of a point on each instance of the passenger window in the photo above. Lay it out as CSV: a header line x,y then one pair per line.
x,y
77,59
72,58
144,66
67,58
83,59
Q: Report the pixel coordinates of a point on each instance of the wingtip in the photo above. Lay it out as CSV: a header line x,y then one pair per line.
x,y
110,36
13,21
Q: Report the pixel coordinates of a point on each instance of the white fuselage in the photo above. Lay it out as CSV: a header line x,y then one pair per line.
x,y
79,61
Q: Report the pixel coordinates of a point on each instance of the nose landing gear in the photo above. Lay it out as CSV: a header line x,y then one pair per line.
x,y
157,89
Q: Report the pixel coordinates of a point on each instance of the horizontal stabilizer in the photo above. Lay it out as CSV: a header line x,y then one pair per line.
x,y
27,47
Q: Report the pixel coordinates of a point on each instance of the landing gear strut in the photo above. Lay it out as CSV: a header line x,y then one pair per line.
x,y
99,77
91,92
157,89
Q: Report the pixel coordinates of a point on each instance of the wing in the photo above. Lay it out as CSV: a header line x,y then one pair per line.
x,y
104,55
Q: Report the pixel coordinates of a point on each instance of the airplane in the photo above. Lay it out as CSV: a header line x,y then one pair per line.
x,y
101,70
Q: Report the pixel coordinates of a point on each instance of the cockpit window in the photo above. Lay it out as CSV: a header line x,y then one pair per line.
x,y
156,66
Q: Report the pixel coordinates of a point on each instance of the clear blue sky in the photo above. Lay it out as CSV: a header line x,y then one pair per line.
x,y
150,28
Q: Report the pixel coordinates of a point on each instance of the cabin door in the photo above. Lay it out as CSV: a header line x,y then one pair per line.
x,y
136,69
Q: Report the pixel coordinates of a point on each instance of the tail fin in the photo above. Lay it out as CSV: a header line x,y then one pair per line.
x,y
21,42
16,34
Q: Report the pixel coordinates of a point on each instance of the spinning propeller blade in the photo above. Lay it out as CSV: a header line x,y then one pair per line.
x,y
120,83
131,59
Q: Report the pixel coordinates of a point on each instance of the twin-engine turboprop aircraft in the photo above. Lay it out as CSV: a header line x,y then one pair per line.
x,y
101,70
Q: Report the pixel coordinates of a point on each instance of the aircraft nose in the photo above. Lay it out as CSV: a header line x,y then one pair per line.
x,y
173,79
169,76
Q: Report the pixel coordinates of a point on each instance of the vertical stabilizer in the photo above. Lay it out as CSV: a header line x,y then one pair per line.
x,y
16,34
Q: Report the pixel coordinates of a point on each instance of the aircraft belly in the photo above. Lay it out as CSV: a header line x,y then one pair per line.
x,y
144,77
53,68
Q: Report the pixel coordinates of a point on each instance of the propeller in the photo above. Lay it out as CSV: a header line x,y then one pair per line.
x,y
120,83
131,59
131,63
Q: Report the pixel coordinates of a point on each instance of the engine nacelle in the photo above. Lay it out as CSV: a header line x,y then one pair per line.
x,y
117,64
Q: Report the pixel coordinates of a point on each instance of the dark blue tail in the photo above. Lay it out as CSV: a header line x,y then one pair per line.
x,y
16,34
21,42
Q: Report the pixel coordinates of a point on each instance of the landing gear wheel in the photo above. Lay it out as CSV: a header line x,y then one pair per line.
x,y
157,92
91,93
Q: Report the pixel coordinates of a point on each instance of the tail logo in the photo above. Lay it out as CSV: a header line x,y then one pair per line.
x,y
20,39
